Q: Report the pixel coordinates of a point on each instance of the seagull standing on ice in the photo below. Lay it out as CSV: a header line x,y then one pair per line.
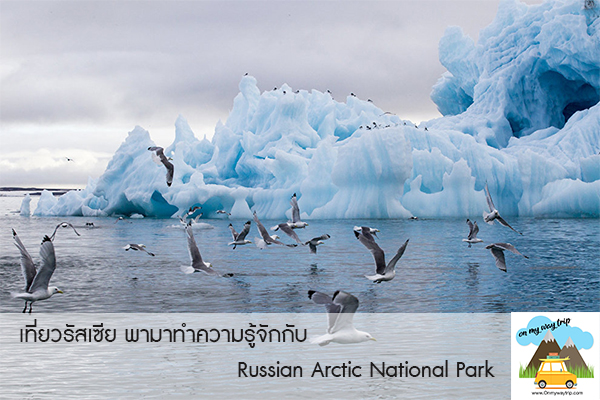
x,y
314,242
239,239
198,264
473,229
138,247
493,214
497,250
340,312
36,281
383,272
158,155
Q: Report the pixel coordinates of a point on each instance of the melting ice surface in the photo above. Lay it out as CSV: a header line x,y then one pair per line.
x,y
521,112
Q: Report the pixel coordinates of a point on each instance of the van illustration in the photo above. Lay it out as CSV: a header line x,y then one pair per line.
x,y
553,372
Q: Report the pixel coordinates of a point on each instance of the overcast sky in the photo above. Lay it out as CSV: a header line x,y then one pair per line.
x,y
76,76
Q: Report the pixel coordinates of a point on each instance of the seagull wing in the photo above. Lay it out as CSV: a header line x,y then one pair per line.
x,y
312,247
503,222
295,209
234,234
378,254
489,198
197,262
510,247
27,266
333,310
242,235
261,229
42,278
348,304
392,264
499,256
288,231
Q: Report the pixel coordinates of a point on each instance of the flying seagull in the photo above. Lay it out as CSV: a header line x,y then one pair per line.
x,y
64,225
198,265
383,272
285,227
159,157
266,239
223,212
137,247
372,231
497,250
494,215
314,242
239,239
36,281
340,312
296,223
473,229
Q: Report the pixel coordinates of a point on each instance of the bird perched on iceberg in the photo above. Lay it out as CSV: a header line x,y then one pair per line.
x,y
493,214
497,250
158,155
383,272
36,281
473,229
340,312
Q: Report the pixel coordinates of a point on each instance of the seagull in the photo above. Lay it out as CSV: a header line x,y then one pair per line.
x,y
497,250
296,223
69,159
285,227
223,212
494,215
89,225
137,247
473,229
159,157
372,231
383,272
239,239
340,312
266,239
198,265
36,281
121,219
314,242
63,225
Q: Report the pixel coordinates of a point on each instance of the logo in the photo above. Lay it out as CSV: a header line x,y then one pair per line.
x,y
555,354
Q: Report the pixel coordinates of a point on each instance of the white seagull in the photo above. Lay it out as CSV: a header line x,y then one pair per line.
x,y
239,239
266,239
314,242
383,272
36,281
473,229
493,214
137,247
198,264
158,155
64,225
287,229
295,223
340,312
372,231
497,250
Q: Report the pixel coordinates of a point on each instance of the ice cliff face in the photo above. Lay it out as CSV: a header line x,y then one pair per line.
x,y
521,112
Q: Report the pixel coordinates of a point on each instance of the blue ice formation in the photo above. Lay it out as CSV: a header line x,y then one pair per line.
x,y
521,112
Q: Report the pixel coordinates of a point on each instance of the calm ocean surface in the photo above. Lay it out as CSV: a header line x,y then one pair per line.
x,y
438,272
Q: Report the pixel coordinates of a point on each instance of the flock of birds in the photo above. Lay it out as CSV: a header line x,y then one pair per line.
x,y
340,307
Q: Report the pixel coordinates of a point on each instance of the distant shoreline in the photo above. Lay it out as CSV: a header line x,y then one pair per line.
x,y
34,191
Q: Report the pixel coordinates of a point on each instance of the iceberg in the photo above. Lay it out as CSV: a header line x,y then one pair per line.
x,y
520,110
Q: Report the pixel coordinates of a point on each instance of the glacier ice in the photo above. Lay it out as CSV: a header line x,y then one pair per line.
x,y
520,111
